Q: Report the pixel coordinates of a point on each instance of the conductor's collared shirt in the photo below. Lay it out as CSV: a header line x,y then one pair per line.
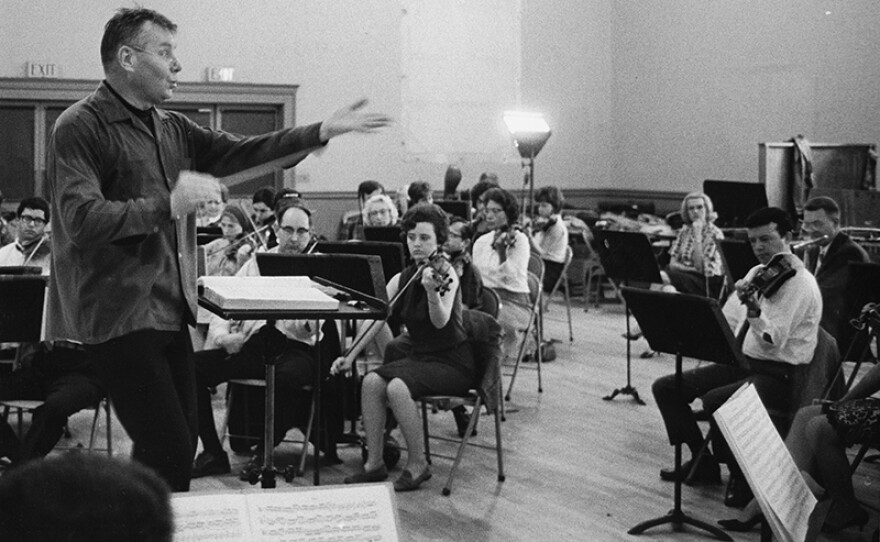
x,y
121,263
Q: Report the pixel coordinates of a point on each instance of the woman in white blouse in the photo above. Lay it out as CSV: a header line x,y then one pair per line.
x,y
502,257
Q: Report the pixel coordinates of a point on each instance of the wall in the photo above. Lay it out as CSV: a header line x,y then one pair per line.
x,y
697,85
651,95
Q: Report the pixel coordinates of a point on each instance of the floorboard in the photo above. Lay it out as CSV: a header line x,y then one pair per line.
x,y
578,467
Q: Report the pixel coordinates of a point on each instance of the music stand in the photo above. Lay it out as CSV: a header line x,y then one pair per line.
x,y
862,287
354,305
734,201
687,326
738,258
388,234
460,208
627,257
391,254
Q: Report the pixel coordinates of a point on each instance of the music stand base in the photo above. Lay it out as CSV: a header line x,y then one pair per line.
x,y
626,390
678,519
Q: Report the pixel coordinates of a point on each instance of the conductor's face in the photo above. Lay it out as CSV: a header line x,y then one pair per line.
x,y
154,68
766,242
294,232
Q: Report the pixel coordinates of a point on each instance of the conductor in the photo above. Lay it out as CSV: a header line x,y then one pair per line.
x,y
124,192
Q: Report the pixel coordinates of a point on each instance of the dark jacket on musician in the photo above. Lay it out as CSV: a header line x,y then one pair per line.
x,y
121,264
832,276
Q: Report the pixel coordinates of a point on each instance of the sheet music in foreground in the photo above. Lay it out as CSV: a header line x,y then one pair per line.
x,y
361,513
772,474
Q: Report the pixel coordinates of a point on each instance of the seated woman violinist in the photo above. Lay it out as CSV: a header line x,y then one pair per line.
x,y
225,256
435,356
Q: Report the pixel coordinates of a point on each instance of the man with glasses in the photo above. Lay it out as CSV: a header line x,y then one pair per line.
x,y
121,178
57,374
30,246
233,351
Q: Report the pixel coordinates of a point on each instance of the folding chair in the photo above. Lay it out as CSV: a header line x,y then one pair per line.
x,y
484,333
27,406
563,281
261,383
534,326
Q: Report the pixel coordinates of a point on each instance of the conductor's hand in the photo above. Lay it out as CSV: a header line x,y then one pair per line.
x,y
341,365
192,189
352,118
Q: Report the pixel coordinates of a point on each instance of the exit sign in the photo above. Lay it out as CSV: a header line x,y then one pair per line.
x,y
43,70
221,74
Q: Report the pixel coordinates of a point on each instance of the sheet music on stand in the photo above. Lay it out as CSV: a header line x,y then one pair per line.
x,y
776,481
361,513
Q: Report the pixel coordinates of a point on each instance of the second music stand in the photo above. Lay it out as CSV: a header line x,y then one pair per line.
x,y
687,326
627,257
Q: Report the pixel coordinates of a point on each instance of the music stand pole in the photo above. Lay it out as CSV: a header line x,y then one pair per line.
x,y
699,331
676,516
628,389
625,257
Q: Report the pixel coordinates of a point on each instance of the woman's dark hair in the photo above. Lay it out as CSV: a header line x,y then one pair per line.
x,y
266,196
80,497
125,27
763,217
427,212
239,216
368,187
552,195
480,188
467,231
418,191
506,200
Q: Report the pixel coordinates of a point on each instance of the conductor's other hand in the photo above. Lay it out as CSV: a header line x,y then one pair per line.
x,y
341,365
232,342
351,118
192,189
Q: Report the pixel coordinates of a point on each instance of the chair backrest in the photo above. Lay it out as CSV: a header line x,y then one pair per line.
x,y
536,265
21,307
491,302
534,287
809,381
484,334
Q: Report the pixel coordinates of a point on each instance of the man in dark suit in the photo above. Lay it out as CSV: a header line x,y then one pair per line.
x,y
827,260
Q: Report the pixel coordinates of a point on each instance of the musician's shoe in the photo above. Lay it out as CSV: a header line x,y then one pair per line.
x,y
738,493
252,469
208,464
462,419
366,477
708,472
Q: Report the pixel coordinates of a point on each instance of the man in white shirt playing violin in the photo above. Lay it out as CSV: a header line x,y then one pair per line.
x,y
783,318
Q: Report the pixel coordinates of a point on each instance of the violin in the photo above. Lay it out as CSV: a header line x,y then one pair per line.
x,y
505,239
252,238
543,224
441,267
766,282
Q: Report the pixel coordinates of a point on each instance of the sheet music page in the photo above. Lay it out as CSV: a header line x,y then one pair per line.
x,y
209,517
360,513
773,476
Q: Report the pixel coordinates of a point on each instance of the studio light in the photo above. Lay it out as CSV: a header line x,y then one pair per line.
x,y
530,132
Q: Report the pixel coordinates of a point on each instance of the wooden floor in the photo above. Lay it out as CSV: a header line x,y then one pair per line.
x,y
578,468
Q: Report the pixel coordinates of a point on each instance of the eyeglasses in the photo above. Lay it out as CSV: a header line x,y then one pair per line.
x,y
379,212
493,210
32,220
295,231
164,54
